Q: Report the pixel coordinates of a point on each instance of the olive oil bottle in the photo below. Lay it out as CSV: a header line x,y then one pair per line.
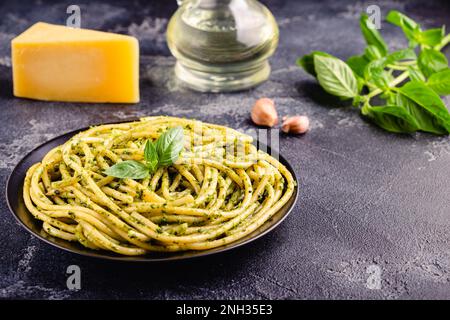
x,y
222,45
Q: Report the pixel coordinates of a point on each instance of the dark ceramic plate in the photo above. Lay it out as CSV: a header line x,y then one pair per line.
x,y
17,206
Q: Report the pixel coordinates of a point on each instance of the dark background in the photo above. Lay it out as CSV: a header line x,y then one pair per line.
x,y
366,196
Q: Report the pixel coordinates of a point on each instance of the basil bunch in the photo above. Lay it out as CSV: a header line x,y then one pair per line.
x,y
409,81
163,152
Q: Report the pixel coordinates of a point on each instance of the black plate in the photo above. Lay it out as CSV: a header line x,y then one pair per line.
x,y
14,188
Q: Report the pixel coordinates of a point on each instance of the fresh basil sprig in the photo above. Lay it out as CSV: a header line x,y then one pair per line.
x,y
163,152
408,80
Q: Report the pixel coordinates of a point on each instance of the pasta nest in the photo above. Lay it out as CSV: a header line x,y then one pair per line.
x,y
219,190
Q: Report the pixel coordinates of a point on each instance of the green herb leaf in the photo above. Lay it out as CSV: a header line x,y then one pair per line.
x,y
445,41
358,64
427,108
431,37
151,156
335,77
404,54
401,20
377,73
307,61
128,169
391,118
425,119
169,146
372,53
432,61
164,152
440,82
372,36
409,26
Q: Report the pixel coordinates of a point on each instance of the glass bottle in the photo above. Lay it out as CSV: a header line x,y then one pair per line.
x,y
222,45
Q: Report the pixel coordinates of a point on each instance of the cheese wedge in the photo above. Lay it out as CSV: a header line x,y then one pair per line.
x,y
58,63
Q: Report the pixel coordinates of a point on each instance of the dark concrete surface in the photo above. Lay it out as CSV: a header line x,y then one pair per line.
x,y
367,197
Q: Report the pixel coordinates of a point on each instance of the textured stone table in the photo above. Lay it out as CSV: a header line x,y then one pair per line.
x,y
367,197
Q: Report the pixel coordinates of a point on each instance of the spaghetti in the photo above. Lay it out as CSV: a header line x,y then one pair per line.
x,y
220,189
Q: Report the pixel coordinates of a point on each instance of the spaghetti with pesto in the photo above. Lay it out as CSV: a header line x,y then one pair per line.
x,y
219,189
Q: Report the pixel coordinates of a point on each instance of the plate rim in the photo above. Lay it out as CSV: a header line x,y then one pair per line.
x,y
143,258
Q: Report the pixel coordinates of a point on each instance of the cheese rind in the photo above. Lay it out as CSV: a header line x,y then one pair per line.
x,y
59,63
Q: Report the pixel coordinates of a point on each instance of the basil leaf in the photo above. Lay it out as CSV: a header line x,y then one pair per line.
x,y
335,77
307,61
409,27
440,82
358,64
424,118
372,36
432,61
431,37
427,108
372,53
169,146
128,169
401,20
151,156
391,118
404,54
382,62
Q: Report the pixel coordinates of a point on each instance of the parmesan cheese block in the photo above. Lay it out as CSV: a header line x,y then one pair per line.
x,y
52,62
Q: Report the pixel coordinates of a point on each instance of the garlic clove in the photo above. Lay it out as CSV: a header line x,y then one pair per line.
x,y
296,124
264,112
